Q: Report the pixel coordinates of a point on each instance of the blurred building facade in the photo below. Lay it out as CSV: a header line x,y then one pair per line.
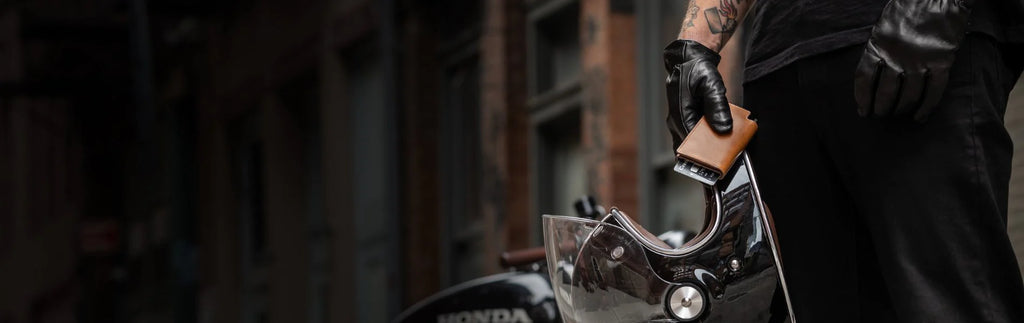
x,y
321,161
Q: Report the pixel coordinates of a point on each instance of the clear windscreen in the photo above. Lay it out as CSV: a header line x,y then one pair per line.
x,y
563,238
600,273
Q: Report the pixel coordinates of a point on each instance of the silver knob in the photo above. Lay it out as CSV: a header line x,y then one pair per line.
x,y
686,303
735,265
617,252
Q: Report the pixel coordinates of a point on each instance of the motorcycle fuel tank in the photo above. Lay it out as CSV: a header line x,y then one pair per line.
x,y
514,297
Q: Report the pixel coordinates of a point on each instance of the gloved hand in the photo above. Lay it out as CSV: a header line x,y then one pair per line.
x,y
695,89
905,65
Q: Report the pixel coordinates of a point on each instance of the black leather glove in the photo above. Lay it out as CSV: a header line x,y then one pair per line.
x,y
695,89
905,65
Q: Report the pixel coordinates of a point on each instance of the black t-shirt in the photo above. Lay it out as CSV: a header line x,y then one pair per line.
x,y
783,31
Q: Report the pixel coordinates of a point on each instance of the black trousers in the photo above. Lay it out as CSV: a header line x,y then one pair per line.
x,y
884,220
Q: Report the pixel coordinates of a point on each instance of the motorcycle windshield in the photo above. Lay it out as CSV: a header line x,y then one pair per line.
x,y
600,273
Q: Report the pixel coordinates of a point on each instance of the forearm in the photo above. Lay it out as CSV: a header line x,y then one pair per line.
x,y
712,22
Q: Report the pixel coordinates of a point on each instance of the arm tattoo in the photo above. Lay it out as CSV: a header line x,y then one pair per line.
x,y
691,14
723,19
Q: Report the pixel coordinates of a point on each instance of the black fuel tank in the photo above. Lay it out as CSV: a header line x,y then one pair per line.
x,y
509,297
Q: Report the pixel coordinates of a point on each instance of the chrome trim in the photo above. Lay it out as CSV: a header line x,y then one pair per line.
x,y
771,237
615,268
687,248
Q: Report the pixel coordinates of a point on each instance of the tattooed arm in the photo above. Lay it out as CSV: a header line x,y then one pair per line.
x,y
695,88
712,22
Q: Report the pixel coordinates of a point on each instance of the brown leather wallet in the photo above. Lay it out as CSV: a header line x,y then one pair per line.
x,y
717,152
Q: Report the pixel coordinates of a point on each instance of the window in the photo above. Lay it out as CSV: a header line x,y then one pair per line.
x,y
459,153
555,45
249,187
458,143
301,98
562,168
680,202
556,149
372,137
6,184
247,165
47,161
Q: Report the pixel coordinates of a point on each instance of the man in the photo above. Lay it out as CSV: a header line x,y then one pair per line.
x,y
881,148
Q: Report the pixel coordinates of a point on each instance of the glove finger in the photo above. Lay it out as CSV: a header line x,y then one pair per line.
x,y
688,103
688,109
935,86
715,103
864,82
717,113
910,94
886,91
674,119
691,116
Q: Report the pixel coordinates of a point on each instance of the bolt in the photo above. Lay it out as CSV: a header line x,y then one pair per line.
x,y
617,252
735,265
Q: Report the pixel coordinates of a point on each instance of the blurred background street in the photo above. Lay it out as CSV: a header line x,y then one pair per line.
x,y
263,161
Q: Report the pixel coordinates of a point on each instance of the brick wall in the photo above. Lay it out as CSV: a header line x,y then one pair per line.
x,y
607,38
504,196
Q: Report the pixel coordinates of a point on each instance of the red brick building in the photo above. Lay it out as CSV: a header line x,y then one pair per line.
x,y
320,161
